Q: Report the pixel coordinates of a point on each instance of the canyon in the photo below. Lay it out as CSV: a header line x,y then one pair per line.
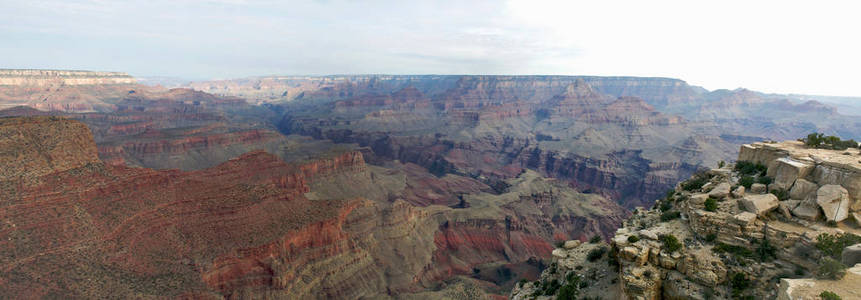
x,y
344,187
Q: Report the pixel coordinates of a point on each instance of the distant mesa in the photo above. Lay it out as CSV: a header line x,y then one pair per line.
x,y
32,77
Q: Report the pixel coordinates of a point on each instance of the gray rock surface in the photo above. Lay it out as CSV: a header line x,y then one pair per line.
x,y
759,204
834,201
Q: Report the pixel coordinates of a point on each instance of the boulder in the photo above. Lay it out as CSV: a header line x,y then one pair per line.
x,y
834,201
698,199
785,211
744,218
738,192
802,190
720,191
808,210
559,253
786,170
851,255
758,188
571,244
845,176
759,204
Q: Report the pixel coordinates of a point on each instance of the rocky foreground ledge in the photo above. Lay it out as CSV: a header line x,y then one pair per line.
x,y
780,223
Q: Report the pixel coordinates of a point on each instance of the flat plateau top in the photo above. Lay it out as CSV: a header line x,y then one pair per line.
x,y
849,158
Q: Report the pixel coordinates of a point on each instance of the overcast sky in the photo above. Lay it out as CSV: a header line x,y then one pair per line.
x,y
783,46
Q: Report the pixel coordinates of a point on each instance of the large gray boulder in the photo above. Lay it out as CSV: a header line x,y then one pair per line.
x,y
851,255
786,170
808,210
834,201
759,204
802,190
720,191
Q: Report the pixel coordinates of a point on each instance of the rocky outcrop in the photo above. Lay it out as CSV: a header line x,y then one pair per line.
x,y
696,245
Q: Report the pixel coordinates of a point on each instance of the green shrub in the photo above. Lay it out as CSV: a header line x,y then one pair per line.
x,y
711,204
819,140
665,205
736,251
596,253
721,164
829,295
595,239
746,181
671,193
559,244
764,180
749,168
711,237
739,283
633,239
671,243
765,251
696,182
781,194
670,215
568,292
832,244
830,269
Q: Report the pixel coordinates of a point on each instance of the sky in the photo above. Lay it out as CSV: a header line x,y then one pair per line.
x,y
809,47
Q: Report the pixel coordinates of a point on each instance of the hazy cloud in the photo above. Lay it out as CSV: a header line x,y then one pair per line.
x,y
779,46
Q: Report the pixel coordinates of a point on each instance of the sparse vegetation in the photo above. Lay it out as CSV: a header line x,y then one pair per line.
x,y
696,182
749,168
568,292
721,164
665,205
711,237
819,140
830,269
633,239
596,254
733,250
832,244
670,215
595,239
711,204
746,181
738,282
829,295
765,251
671,243
764,180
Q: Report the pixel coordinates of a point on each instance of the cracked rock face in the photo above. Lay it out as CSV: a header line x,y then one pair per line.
x,y
834,201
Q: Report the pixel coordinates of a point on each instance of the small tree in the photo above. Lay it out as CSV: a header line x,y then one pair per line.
x,y
711,204
671,243
830,269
